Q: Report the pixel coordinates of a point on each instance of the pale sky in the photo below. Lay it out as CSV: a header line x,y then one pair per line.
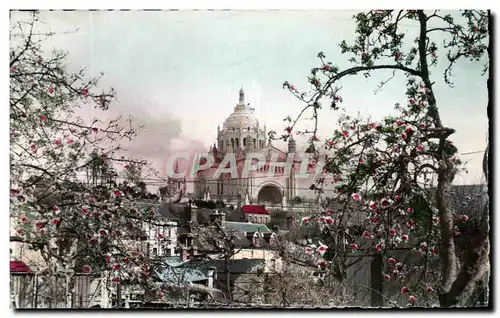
x,y
179,73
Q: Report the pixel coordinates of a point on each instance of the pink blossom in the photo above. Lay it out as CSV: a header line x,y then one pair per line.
x,y
356,197
326,67
387,277
43,117
412,299
345,133
378,247
396,149
366,234
391,261
116,267
329,212
465,218
102,233
56,221
69,141
420,148
51,90
409,210
397,198
405,237
392,232
354,247
33,147
404,136
385,202
322,249
429,289
85,92
308,250
40,224
86,269
305,220
373,206
399,123
412,101
404,290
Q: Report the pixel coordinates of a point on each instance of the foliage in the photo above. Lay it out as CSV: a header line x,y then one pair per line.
x,y
65,201
383,170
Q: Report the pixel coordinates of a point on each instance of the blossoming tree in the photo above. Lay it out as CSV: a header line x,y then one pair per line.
x,y
384,170
76,224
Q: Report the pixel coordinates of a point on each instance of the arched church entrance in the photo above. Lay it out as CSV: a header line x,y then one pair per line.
x,y
270,194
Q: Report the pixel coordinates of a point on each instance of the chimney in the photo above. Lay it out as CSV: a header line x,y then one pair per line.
x,y
211,277
220,217
194,213
194,250
184,254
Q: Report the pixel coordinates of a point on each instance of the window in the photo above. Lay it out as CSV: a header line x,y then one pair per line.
x,y
155,251
244,141
233,128
248,129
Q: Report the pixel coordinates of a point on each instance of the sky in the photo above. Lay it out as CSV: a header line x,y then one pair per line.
x,y
179,73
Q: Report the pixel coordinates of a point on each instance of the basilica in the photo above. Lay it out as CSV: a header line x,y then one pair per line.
x,y
242,134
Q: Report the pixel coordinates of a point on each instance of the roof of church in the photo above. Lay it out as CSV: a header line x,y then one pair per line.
x,y
254,209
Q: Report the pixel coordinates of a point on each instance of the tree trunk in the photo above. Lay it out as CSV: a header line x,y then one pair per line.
x,y
477,257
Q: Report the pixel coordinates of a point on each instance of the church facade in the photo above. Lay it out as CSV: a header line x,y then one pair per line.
x,y
242,134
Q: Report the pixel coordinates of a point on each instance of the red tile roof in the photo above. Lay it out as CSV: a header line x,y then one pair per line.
x,y
19,267
254,209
